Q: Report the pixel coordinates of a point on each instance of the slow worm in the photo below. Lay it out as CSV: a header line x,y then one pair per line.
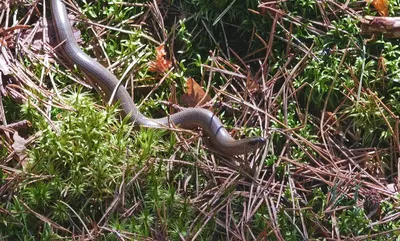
x,y
107,82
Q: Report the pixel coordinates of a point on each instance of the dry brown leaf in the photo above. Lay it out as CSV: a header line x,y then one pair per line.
x,y
195,95
19,146
252,86
160,65
19,143
330,118
382,6
6,34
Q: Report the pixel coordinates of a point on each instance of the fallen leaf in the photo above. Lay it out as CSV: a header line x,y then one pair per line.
x,y
330,118
252,86
382,6
4,67
195,95
391,187
19,146
160,65
6,34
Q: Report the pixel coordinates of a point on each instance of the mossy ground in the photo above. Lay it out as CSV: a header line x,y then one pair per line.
x,y
299,73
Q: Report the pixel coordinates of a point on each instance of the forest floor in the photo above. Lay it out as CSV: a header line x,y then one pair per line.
x,y
319,80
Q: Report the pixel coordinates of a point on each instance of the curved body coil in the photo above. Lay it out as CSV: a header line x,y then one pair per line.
x,y
107,82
